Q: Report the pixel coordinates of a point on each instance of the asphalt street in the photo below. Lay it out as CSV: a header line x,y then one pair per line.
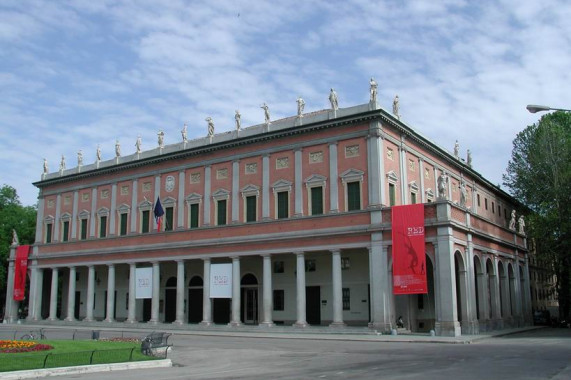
x,y
538,354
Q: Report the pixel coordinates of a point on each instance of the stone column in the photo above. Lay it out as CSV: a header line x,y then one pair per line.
x,y
207,198
206,303
235,292
53,295
333,179
71,296
110,293
298,210
421,174
131,318
40,220
156,293
235,191
337,285
11,311
301,312
403,174
90,293
267,291
266,187
379,283
180,282
134,208
180,200
32,291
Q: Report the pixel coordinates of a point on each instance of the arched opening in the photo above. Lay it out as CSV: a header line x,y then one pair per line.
x,y
461,288
170,300
425,303
512,291
195,293
480,287
504,291
249,299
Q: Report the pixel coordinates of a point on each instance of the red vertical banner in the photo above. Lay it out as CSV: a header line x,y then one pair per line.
x,y
20,270
409,261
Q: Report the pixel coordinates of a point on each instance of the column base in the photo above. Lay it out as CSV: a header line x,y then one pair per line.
x,y
69,319
110,320
153,322
87,320
448,328
235,324
267,324
301,324
178,322
378,326
53,319
131,321
205,323
337,325
470,328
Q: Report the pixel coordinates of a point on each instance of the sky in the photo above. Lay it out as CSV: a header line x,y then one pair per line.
x,y
77,74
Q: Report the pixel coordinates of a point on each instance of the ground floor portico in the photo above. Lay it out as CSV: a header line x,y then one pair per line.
x,y
473,285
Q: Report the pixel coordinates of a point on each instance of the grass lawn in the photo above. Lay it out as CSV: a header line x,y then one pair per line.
x,y
67,353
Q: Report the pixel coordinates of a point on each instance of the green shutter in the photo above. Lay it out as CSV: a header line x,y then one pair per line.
x,y
251,208
48,233
169,218
221,213
194,215
392,194
65,236
283,205
353,196
145,221
316,200
123,227
83,229
103,226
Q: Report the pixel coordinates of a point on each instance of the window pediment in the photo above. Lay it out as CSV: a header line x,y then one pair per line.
x,y
221,194
281,185
392,177
352,175
413,186
83,214
193,198
168,201
145,205
66,216
249,190
123,208
103,211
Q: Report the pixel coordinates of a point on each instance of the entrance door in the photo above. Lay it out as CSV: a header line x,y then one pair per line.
x,y
195,305
313,305
170,305
221,310
147,304
250,305
77,305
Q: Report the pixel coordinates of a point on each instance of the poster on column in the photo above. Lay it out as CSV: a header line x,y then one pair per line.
x,y
143,283
409,261
221,281
20,270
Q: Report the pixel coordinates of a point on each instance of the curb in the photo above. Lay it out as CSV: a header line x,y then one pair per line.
x,y
36,373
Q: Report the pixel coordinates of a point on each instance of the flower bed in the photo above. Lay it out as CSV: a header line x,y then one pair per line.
x,y
14,346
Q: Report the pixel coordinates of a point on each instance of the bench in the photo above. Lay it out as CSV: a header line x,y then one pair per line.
x,y
155,344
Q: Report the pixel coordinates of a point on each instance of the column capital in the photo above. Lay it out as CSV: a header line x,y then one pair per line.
x,y
299,253
335,251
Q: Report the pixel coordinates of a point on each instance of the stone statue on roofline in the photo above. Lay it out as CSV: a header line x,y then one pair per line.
x,y
512,221
98,153
138,144
183,133
469,158
521,225
45,166
456,149
238,120
210,126
161,138
80,158
117,149
300,106
62,163
333,100
373,90
15,240
266,113
396,107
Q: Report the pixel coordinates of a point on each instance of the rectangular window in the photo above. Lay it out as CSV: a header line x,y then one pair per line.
x,y
499,210
169,218
103,226
49,228
413,198
392,194
493,208
251,208
145,221
345,263
194,215
221,216
317,200
478,199
310,265
83,232
123,224
278,266
346,299
279,300
486,203
353,196
65,234
283,205
420,301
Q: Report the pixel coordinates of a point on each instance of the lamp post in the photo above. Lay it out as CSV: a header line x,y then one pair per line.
x,y
533,108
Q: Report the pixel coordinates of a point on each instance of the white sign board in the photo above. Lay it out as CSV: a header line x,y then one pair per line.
x,y
221,281
143,283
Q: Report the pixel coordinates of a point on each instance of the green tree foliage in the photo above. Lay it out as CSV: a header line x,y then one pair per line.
x,y
539,175
13,216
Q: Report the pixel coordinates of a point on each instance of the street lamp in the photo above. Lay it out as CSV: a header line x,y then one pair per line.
x,y
533,108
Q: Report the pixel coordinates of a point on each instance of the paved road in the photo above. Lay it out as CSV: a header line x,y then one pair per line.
x,y
539,354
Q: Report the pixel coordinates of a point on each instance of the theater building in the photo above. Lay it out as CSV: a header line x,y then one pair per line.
x,y
300,208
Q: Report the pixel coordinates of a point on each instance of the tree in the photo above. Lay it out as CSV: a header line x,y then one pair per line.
x,y
539,175
13,216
